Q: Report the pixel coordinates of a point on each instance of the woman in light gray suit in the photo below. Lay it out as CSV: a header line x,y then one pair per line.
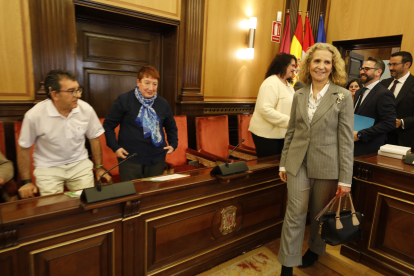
x,y
317,157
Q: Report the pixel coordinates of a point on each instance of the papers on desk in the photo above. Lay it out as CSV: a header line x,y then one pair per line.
x,y
362,122
393,151
165,177
74,194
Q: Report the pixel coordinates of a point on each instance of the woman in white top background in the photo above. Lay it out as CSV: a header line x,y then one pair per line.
x,y
274,101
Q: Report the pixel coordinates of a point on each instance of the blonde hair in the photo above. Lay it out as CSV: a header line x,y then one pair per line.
x,y
338,75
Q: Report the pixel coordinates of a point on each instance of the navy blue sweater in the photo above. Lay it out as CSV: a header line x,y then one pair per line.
x,y
131,136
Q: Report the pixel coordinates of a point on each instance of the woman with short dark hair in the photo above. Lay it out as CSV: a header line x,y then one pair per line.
x,y
271,113
353,85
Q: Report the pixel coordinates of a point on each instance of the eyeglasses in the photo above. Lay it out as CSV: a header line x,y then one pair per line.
x,y
367,68
74,92
393,64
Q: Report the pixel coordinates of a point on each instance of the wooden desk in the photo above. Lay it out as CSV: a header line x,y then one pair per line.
x,y
385,195
167,228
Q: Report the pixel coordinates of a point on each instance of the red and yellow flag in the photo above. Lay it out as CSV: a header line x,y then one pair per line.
x,y
296,46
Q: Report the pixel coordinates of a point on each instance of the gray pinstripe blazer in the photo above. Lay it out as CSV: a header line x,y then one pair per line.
x,y
328,140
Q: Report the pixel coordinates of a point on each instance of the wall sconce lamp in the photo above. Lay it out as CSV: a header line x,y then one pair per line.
x,y
252,31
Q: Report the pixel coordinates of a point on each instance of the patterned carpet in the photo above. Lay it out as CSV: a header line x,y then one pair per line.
x,y
259,262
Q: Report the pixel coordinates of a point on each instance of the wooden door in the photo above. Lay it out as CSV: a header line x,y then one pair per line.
x,y
108,59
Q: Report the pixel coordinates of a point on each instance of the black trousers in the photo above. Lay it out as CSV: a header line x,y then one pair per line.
x,y
130,170
267,147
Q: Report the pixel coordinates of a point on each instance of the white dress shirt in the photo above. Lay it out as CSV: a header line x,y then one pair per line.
x,y
399,85
312,106
369,88
59,140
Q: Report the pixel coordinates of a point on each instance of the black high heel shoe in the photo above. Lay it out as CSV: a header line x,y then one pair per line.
x,y
286,271
309,259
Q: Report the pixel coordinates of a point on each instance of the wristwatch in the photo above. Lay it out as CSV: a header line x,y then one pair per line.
x,y
24,182
359,135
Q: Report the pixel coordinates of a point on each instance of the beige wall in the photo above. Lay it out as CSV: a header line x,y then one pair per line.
x,y
355,19
164,8
16,69
226,77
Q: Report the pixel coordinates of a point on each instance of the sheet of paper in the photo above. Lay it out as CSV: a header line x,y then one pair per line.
x,y
166,177
74,194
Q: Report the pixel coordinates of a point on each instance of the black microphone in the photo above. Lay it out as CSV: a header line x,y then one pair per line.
x,y
228,156
227,169
115,190
99,187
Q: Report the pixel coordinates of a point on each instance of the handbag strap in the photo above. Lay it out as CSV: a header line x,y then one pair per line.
x,y
325,210
337,217
332,205
355,220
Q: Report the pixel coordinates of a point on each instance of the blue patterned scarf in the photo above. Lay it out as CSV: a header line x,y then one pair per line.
x,y
148,119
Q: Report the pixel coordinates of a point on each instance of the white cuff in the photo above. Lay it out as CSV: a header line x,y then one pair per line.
x,y
402,123
282,169
344,184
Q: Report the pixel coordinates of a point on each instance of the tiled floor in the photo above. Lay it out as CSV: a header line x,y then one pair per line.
x,y
317,269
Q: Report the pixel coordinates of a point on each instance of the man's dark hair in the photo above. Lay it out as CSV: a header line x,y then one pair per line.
x,y
405,57
279,65
52,80
378,64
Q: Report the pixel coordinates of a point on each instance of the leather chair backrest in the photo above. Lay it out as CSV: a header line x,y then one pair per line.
x,y
213,135
178,157
243,122
108,156
17,129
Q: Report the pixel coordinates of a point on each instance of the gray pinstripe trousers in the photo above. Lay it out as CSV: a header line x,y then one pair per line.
x,y
301,192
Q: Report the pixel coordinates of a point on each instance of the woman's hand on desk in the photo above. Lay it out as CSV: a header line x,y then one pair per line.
x,y
121,153
170,149
343,190
283,176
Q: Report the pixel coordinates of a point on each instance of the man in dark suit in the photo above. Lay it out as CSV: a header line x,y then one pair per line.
x,y
402,85
374,101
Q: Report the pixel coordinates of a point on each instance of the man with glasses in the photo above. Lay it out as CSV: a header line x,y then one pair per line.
x,y
402,86
374,101
58,125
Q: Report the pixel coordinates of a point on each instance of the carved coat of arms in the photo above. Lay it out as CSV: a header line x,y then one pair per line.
x,y
228,220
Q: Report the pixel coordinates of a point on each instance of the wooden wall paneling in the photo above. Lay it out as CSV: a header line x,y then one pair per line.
x,y
385,196
53,39
96,251
349,16
183,238
16,71
164,8
227,76
191,49
108,59
8,263
169,64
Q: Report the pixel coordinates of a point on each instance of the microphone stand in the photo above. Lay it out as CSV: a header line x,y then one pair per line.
x,y
228,156
99,187
227,169
91,195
